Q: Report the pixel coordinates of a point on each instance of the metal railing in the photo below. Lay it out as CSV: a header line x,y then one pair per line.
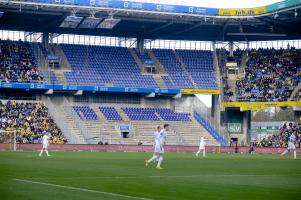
x,y
205,113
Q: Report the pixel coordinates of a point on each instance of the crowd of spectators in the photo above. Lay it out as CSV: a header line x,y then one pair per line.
x,y
281,139
271,75
225,58
30,121
17,63
228,93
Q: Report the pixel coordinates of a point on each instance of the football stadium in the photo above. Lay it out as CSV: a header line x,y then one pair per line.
x,y
150,99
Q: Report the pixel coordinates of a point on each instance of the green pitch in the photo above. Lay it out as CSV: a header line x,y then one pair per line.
x,y
123,176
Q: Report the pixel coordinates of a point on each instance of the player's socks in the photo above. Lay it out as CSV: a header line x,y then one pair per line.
x,y
47,152
146,163
204,154
159,162
152,159
295,154
40,154
285,152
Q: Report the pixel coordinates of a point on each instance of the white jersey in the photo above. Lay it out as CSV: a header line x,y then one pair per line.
x,y
155,135
45,140
291,142
292,138
202,144
161,137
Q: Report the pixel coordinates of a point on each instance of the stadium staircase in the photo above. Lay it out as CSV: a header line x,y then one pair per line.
x,y
243,65
216,69
122,114
64,122
295,93
210,129
182,133
155,60
108,129
41,60
222,60
202,115
64,64
182,65
138,61
60,76
101,129
72,126
159,80
94,131
157,77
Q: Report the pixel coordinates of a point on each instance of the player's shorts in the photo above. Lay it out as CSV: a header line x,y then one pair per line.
x,y
45,146
291,146
159,149
202,148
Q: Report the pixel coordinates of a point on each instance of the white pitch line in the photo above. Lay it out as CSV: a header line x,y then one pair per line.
x,y
81,189
176,176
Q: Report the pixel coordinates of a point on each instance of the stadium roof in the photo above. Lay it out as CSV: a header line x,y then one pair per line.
x,y
214,3
280,25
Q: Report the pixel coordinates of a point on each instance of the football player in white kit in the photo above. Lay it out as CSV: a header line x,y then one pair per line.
x,y
291,146
45,143
155,155
160,140
202,147
154,142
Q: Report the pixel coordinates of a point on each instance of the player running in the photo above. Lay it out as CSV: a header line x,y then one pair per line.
x,y
155,155
154,142
160,141
45,143
291,146
202,147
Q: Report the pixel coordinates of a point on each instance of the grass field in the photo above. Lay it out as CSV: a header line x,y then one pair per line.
x,y
122,175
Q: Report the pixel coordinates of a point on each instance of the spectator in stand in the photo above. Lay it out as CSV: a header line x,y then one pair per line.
x,y
17,64
281,140
29,120
271,75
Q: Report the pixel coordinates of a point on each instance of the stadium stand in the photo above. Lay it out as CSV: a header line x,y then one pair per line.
x,y
85,112
270,75
29,120
199,64
110,113
146,114
18,63
144,57
281,139
109,66
142,122
168,59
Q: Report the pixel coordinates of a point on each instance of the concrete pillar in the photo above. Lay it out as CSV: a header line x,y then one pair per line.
x,y
45,40
215,110
140,44
213,46
246,125
231,48
248,45
51,38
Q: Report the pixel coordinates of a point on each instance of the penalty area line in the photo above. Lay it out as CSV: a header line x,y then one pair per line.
x,y
80,189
